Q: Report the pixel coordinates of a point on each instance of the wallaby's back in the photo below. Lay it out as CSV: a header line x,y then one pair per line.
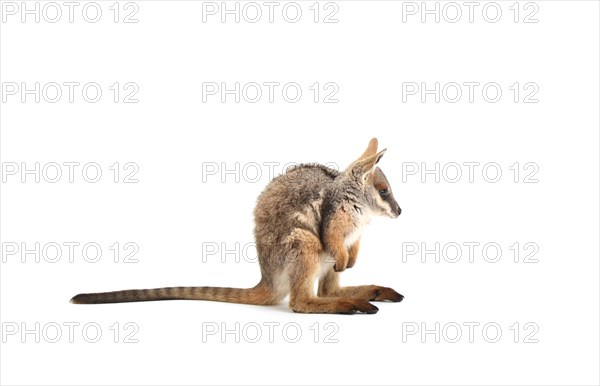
x,y
292,200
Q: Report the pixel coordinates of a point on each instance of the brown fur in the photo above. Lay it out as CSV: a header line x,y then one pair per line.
x,y
353,254
307,228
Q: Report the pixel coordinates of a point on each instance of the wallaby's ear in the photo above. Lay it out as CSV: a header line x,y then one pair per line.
x,y
371,149
364,166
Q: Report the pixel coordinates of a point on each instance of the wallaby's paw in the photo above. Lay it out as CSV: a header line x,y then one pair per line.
x,y
382,294
340,265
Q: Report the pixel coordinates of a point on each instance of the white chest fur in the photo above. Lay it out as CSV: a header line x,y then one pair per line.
x,y
362,220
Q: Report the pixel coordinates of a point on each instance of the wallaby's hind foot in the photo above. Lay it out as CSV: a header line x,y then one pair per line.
x,y
329,286
371,292
333,306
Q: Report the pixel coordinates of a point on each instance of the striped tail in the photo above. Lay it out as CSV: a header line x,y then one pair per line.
x,y
259,295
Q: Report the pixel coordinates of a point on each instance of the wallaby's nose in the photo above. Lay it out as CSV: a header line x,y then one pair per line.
x,y
399,211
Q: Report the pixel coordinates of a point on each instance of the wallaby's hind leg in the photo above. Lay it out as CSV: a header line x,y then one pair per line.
x,y
305,251
329,286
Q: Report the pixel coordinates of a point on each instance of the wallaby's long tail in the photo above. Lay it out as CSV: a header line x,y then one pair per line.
x,y
259,295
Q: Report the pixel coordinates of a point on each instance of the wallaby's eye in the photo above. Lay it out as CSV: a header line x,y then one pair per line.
x,y
384,193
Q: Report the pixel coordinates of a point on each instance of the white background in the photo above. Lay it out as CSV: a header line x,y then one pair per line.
x,y
170,134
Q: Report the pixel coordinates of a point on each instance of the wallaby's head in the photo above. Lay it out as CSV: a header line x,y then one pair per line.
x,y
372,184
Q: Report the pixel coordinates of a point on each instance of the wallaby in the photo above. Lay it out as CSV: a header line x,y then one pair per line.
x,y
308,223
